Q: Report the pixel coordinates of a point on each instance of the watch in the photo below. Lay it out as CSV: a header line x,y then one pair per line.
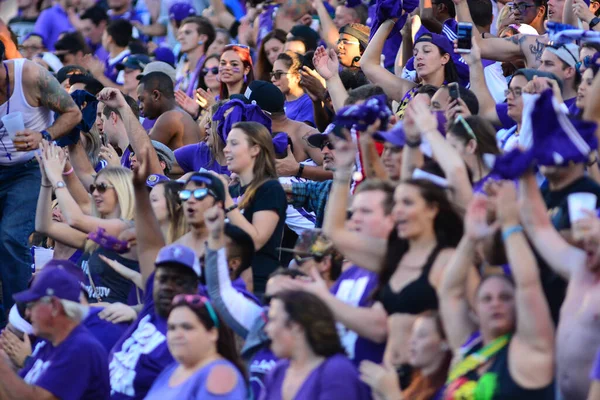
x,y
595,21
46,135
59,185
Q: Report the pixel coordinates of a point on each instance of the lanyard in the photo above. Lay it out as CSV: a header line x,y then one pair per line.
x,y
7,110
478,358
194,77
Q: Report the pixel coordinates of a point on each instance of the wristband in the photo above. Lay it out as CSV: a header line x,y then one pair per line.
x,y
46,135
595,372
595,21
413,145
229,209
506,233
300,171
69,172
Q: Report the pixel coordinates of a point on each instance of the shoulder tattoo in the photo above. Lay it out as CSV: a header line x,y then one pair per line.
x,y
52,95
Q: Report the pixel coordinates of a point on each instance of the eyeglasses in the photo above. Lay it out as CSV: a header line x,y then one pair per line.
x,y
347,42
277,74
521,6
199,194
197,300
101,187
516,92
326,143
213,70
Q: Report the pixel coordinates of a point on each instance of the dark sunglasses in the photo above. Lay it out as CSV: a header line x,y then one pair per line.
x,y
199,194
301,260
197,300
101,187
327,144
213,70
521,6
278,74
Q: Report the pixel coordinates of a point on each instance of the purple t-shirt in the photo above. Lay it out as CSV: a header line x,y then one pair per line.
x,y
148,124
336,378
478,186
106,332
449,28
195,156
300,110
99,51
125,163
76,369
110,67
260,366
195,386
354,287
51,23
141,354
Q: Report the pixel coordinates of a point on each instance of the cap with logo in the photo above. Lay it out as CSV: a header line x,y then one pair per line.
x,y
211,182
134,61
266,95
180,11
55,281
179,255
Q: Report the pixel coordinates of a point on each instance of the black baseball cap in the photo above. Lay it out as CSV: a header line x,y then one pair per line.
x,y
211,182
266,95
134,61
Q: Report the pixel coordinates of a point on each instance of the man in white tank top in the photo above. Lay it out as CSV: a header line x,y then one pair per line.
x,y
27,88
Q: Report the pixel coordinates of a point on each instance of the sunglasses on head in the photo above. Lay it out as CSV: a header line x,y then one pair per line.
x,y
213,70
195,300
101,187
238,46
199,194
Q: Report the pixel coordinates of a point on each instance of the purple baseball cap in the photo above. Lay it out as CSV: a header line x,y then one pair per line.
x,y
155,179
180,11
394,136
164,54
54,281
177,254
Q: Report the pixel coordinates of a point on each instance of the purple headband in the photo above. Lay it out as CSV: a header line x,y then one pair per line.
x,y
360,116
240,111
109,242
280,143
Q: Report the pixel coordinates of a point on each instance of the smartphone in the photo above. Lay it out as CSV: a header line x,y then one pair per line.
x,y
464,34
454,91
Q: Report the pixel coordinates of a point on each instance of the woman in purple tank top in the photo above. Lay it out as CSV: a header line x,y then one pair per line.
x,y
207,363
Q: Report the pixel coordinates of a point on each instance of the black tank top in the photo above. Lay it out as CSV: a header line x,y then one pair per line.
x,y
416,297
497,377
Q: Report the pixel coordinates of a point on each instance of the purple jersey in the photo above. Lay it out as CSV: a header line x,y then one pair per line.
x,y
141,354
106,332
125,162
75,369
266,22
110,67
300,110
260,366
336,378
51,23
354,287
193,157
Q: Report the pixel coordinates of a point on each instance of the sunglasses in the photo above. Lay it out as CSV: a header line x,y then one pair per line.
x,y
521,6
347,42
213,70
199,194
301,260
327,144
195,300
278,74
101,187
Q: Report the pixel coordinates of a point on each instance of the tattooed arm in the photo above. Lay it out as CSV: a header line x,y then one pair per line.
x,y
48,93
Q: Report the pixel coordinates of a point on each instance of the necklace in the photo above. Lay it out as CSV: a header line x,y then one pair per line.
x,y
7,154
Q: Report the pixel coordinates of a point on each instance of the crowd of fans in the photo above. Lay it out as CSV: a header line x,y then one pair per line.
x,y
296,199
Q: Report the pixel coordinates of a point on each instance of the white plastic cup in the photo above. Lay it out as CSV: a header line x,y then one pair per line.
x,y
41,257
13,123
579,203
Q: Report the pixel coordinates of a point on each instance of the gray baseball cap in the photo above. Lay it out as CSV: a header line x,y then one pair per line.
x,y
158,66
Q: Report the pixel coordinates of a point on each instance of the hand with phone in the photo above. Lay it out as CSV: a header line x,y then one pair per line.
x,y
464,33
474,56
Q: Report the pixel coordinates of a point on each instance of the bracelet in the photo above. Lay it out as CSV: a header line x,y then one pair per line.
x,y
506,233
46,186
69,172
229,209
300,171
413,145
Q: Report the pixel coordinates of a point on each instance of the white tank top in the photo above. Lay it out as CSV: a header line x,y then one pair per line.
x,y
35,118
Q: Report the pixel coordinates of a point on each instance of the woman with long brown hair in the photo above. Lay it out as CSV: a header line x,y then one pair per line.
x,y
303,334
235,70
249,153
270,48
430,356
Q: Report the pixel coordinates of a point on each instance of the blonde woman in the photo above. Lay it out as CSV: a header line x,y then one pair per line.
x,y
112,214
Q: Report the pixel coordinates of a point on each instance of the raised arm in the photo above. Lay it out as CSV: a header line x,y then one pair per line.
x,y
237,311
138,138
329,31
149,236
327,65
549,244
43,217
78,191
487,104
532,347
365,251
370,63
453,289
54,165
427,18
81,164
371,160
447,157
225,19
412,157
591,111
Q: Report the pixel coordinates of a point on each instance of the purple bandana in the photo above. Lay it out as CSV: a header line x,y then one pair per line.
x,y
280,143
360,116
240,111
